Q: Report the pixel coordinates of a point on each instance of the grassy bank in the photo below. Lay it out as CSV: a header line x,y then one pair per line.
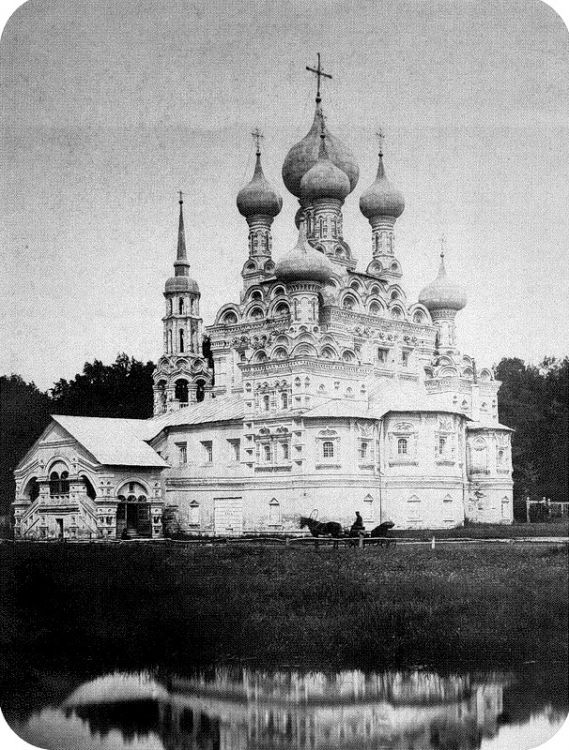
x,y
128,606
489,531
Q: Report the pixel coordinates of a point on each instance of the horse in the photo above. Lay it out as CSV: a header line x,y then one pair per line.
x,y
321,528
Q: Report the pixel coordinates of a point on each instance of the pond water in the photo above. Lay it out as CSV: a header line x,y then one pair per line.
x,y
229,707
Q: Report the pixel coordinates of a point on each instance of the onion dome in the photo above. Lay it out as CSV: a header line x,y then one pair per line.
x,y
304,155
181,282
259,197
303,262
324,179
381,198
442,294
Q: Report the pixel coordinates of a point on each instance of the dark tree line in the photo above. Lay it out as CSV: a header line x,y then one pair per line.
x,y
123,389
533,400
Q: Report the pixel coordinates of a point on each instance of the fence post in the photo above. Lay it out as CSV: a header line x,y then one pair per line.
x,y
360,541
528,503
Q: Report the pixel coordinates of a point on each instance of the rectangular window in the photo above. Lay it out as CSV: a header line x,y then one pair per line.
x,y
207,451
442,445
285,451
405,358
382,355
364,450
182,453
235,450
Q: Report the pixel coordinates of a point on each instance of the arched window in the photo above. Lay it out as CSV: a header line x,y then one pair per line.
x,y
349,303
328,449
284,400
266,402
282,309
181,391
256,313
170,306
169,346
374,308
54,483
230,318
402,446
200,390
285,451
267,452
256,295
181,306
59,483
181,340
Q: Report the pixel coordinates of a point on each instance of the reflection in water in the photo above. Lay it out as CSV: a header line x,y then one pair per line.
x,y
236,708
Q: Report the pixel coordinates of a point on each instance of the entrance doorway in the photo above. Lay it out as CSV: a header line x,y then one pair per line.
x,y
228,516
133,512
59,527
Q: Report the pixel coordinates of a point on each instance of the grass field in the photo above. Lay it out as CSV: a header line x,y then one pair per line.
x,y
490,531
140,605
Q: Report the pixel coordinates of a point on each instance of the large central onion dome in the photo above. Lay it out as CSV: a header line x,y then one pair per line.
x,y
381,198
303,262
304,155
442,294
324,179
259,197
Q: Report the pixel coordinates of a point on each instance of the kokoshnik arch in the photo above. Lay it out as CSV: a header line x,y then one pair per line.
x,y
324,390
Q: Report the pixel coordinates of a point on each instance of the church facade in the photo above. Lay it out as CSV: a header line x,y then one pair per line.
x,y
322,391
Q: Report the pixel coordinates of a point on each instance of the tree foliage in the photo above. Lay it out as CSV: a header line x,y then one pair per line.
x,y
534,401
123,389
24,412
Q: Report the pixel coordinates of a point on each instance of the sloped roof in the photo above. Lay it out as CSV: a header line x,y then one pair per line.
x,y
372,410
114,442
488,426
212,410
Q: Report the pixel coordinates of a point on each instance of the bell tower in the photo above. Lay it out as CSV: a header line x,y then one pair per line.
x,y
182,375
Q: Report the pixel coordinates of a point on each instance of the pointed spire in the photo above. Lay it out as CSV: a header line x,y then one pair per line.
x,y
181,264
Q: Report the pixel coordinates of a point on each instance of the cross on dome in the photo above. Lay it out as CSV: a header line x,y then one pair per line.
x,y
319,74
381,138
443,245
181,199
257,136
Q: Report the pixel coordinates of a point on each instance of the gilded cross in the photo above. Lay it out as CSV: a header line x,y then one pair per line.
x,y
181,200
319,74
443,245
381,138
257,135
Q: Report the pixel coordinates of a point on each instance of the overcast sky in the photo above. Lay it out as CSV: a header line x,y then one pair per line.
x,y
109,107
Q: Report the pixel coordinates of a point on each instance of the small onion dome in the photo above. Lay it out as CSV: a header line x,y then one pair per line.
x,y
442,294
259,197
324,179
303,262
381,198
181,284
304,155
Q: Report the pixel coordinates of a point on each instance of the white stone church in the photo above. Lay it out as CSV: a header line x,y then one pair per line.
x,y
324,391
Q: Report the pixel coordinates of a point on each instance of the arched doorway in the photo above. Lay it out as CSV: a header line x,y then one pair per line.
x,y
133,511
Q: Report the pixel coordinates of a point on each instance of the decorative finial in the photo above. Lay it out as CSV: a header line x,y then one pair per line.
x,y
380,137
319,74
257,135
181,199
443,246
